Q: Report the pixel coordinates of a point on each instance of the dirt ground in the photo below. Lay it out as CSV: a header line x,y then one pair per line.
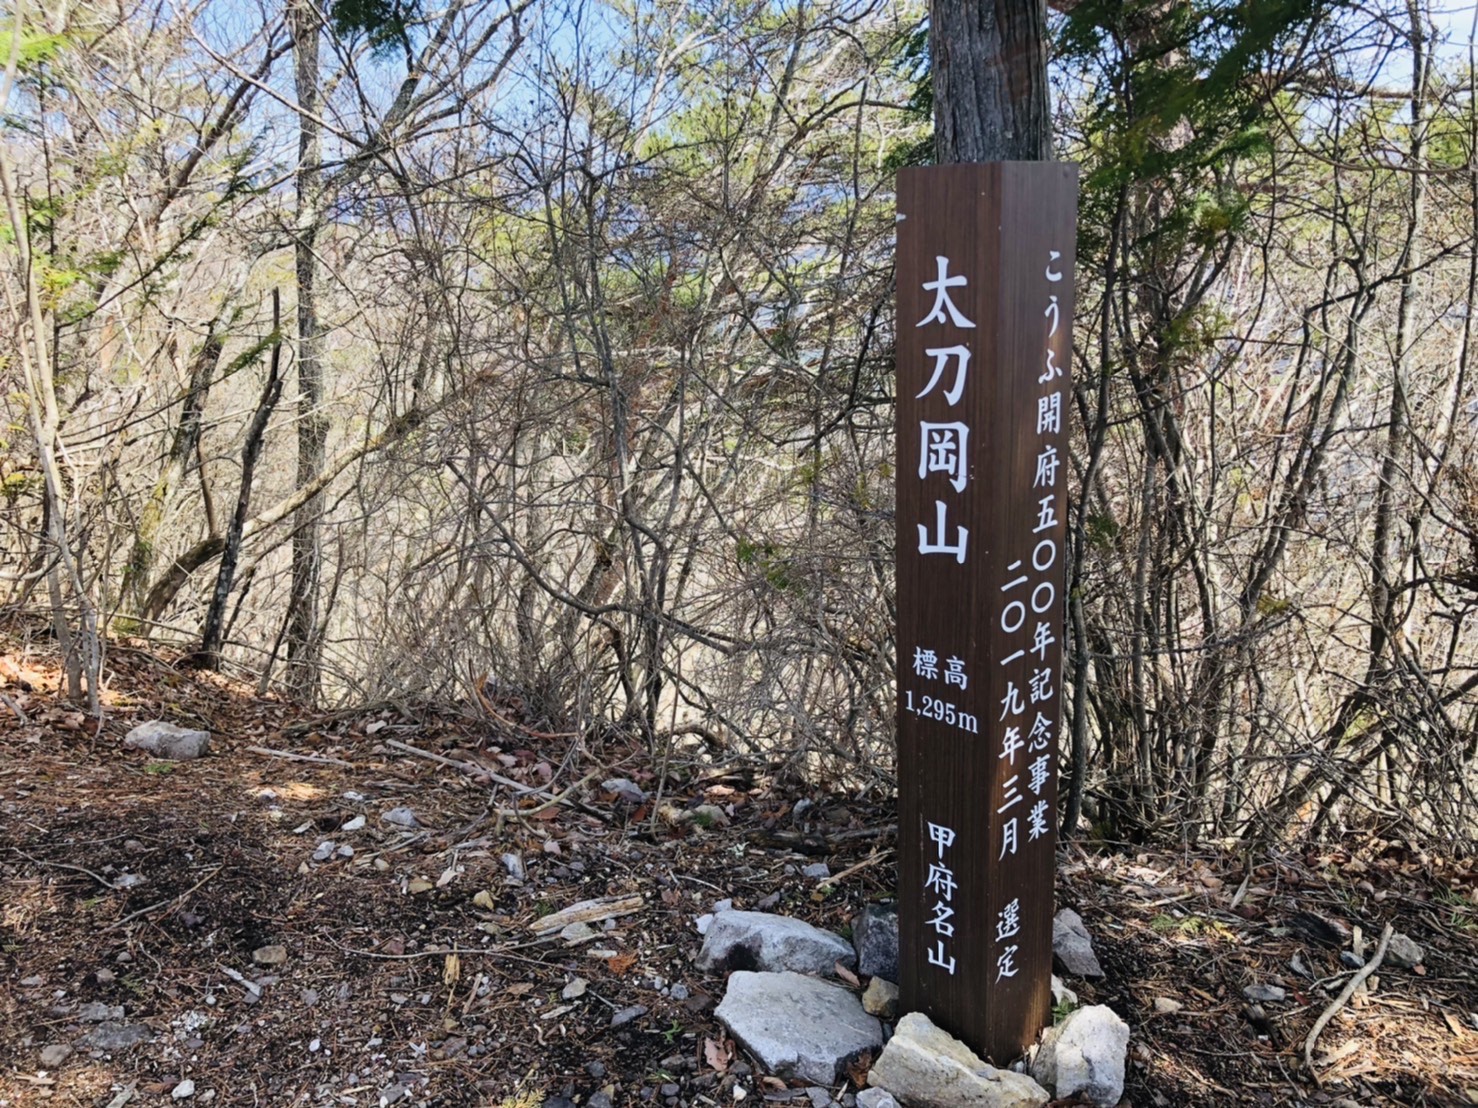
x,y
166,923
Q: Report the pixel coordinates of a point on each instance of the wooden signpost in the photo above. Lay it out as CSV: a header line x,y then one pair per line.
x,y
985,302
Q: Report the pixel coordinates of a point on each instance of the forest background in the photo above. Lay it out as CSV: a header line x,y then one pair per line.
x,y
539,353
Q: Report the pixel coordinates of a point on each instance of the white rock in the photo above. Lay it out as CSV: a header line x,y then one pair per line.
x,y
770,943
798,1026
927,1068
165,740
355,824
401,817
1072,947
183,1090
1083,1057
876,1098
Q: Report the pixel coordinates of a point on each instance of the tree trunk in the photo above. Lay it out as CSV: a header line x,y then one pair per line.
x,y
182,451
303,631
989,62
213,635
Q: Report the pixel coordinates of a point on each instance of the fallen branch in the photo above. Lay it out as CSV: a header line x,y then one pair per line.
x,y
560,798
174,900
518,788
99,878
871,860
268,752
14,707
1344,998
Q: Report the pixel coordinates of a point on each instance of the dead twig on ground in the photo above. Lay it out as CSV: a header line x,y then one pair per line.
x,y
99,878
871,860
171,901
14,707
321,759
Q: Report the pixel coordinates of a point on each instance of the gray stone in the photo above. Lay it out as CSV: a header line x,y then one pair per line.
x,y
797,1026
626,789
55,1054
116,1036
183,1091
875,936
98,1012
599,1100
927,1068
876,1098
1072,948
165,740
1403,953
274,954
626,1015
772,944
392,1094
400,817
1083,1057
818,1096
881,999
1265,994
817,870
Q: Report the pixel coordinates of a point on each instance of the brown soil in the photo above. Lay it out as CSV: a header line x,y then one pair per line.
x,y
411,965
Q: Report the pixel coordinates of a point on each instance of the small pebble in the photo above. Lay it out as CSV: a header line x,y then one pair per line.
x,y
817,870
679,992
626,1015
596,1070
183,1090
1264,993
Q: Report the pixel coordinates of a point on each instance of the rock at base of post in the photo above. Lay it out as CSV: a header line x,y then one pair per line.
x,y
928,1068
1084,1055
798,1026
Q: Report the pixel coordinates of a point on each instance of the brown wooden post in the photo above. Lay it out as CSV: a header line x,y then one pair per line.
x,y
985,303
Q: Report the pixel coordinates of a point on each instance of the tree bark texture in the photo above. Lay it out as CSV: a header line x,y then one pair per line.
x,y
989,60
